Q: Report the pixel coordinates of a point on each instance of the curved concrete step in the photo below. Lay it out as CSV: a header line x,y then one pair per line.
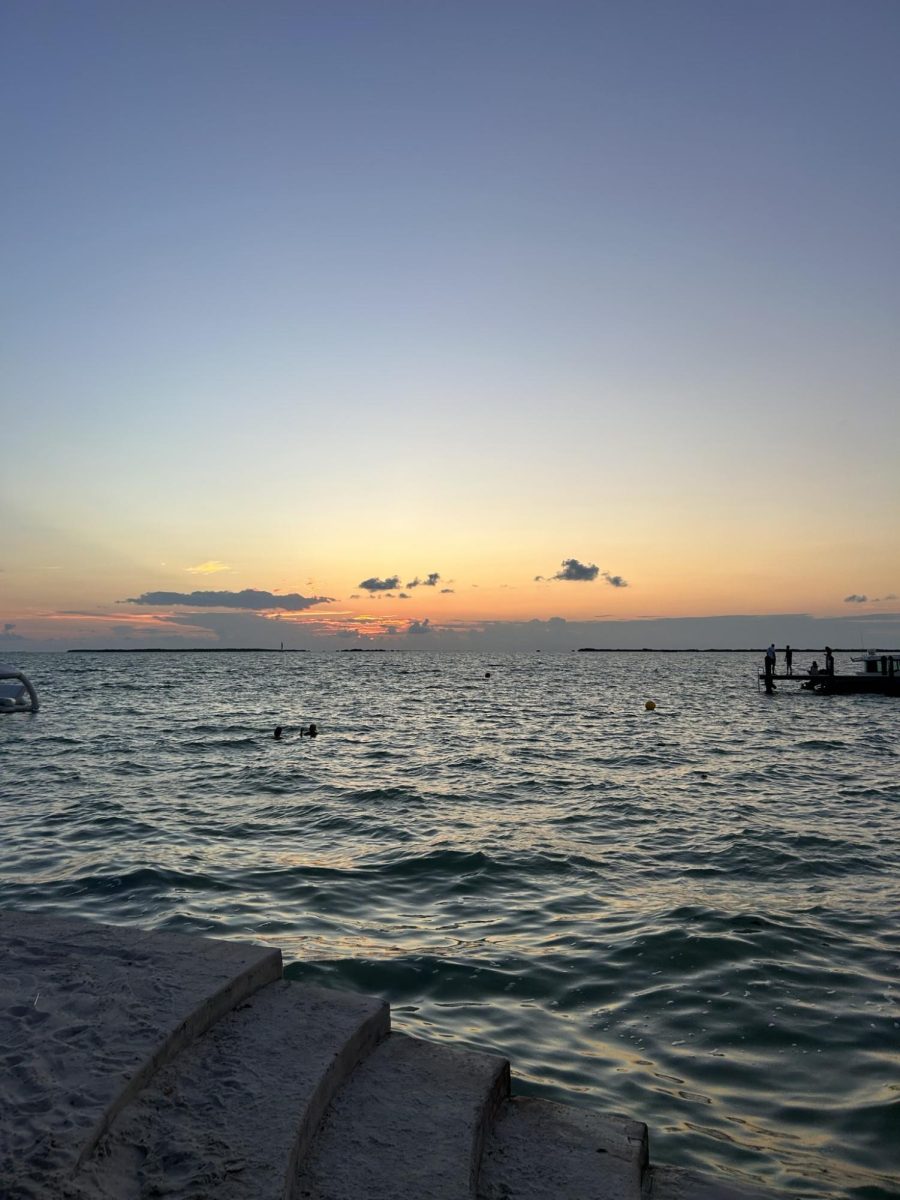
x,y
88,1014
236,1112
539,1150
409,1125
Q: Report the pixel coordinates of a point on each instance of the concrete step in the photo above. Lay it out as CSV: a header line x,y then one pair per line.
x,y
88,1014
676,1183
234,1115
540,1150
409,1125
138,1065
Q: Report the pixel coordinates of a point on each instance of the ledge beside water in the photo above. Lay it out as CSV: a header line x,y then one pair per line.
x,y
140,1063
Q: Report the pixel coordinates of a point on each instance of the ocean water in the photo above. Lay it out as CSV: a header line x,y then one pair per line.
x,y
688,915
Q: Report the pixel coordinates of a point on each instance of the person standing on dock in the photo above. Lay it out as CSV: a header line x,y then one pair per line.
x,y
788,661
829,661
769,670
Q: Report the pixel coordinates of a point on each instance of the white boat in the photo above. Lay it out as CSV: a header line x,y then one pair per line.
x,y
877,663
17,692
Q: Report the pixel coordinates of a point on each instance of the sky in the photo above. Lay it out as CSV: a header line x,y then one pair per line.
x,y
484,323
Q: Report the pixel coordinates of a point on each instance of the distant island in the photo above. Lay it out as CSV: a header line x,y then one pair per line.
x,y
190,650
395,650
706,650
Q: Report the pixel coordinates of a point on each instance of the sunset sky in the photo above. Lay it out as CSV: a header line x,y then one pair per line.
x,y
590,310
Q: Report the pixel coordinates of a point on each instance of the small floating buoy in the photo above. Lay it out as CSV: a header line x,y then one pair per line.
x,y
487,674
650,705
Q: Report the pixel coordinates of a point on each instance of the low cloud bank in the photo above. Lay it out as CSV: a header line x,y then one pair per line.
x,y
250,600
325,629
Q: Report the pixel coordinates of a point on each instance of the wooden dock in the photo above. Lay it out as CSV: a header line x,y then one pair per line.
x,y
836,685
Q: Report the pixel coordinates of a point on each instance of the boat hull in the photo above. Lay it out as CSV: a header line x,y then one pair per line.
x,y
851,685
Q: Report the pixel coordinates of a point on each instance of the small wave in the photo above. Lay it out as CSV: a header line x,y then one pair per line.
x,y
209,745
384,793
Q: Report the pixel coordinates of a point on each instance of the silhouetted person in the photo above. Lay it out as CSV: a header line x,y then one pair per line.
x,y
829,661
788,661
769,664
313,730
770,657
277,734
814,669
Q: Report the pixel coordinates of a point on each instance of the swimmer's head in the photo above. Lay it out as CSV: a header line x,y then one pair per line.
x,y
277,734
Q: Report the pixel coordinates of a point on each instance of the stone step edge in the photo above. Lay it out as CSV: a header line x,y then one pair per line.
x,y
498,1094
359,1046
562,1138
267,968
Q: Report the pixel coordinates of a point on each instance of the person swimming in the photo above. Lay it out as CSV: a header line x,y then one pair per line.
x,y
313,731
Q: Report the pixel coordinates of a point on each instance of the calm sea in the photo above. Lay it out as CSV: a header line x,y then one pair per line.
x,y
688,915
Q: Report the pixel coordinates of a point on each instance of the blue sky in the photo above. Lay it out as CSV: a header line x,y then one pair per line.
x,y
319,289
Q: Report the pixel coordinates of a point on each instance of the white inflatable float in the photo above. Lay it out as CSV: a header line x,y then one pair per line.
x,y
17,693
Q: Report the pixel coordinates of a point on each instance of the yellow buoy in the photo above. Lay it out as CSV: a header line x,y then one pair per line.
x,y
650,705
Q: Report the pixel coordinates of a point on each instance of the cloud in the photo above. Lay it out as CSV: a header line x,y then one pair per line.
x,y
575,571
250,600
420,627
861,599
9,626
447,592
380,585
429,581
404,596
208,568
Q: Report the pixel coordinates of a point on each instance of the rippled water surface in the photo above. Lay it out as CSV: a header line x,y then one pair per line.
x,y
688,915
